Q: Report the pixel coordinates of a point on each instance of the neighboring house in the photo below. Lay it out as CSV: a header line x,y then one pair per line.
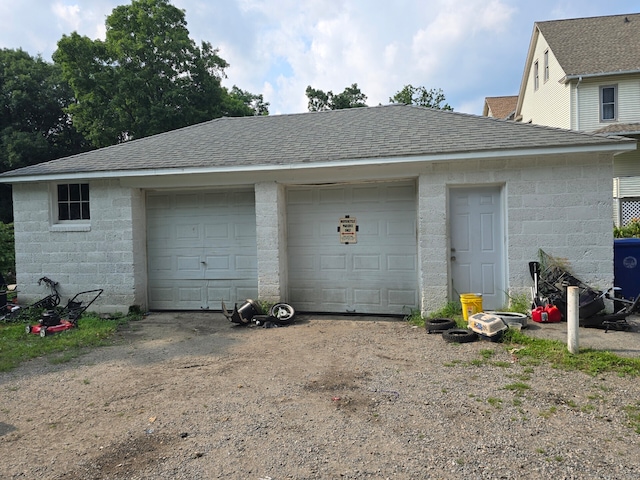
x,y
265,207
584,74
503,108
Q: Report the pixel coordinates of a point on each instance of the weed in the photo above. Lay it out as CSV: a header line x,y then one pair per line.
x,y
86,381
519,303
414,317
541,451
501,364
494,402
548,413
487,353
633,416
517,387
517,402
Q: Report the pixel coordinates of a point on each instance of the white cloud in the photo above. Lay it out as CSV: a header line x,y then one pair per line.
x,y
68,16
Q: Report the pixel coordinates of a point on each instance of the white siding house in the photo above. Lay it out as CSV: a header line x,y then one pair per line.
x,y
591,84
443,203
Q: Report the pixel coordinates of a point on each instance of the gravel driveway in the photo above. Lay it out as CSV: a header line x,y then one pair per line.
x,y
191,396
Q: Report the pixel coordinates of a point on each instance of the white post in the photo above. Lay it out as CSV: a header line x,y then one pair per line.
x,y
573,296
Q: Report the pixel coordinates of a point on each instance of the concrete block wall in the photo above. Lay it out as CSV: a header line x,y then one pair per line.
x,y
83,256
271,239
559,204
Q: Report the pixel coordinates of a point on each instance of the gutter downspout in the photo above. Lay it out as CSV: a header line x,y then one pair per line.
x,y
578,104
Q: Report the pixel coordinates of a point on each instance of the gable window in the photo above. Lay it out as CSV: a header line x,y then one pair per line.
x,y
608,103
546,65
536,78
73,201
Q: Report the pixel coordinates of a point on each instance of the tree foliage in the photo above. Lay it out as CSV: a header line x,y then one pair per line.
x,y
146,77
422,97
351,97
33,125
7,250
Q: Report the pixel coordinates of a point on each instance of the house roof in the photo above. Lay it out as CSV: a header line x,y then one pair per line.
x,y
595,45
500,107
620,129
368,135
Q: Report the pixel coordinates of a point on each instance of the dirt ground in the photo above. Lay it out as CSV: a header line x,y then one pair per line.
x,y
189,395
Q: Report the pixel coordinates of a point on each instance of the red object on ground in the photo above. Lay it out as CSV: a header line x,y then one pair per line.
x,y
44,331
546,314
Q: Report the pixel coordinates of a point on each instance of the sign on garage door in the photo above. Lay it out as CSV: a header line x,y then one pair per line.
x,y
377,273
201,249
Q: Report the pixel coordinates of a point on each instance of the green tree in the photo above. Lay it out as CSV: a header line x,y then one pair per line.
x,y
243,103
7,250
146,77
34,126
351,97
421,96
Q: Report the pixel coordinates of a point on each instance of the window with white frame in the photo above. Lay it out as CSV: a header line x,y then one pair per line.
x,y
73,201
608,103
546,65
536,77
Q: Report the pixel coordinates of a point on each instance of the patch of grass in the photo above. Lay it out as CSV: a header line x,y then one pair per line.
x,y
548,413
495,402
451,310
501,364
518,387
519,303
533,351
633,416
415,318
487,353
17,346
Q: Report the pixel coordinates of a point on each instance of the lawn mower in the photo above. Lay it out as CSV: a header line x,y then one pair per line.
x,y
54,321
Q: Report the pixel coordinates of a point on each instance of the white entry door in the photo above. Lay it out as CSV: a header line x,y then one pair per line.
x,y
477,244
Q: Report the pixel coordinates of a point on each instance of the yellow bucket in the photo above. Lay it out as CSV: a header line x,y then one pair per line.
x,y
471,304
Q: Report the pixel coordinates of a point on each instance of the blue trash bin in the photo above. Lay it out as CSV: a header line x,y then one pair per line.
x,y
626,266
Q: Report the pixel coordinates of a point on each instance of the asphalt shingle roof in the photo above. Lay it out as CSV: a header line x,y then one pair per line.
x,y
368,133
595,45
502,107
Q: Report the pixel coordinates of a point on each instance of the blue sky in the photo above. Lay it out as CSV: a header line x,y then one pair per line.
x,y
470,49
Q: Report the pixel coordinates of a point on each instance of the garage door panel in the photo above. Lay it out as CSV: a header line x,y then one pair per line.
x,y
332,195
367,296
333,262
378,273
200,245
401,298
334,296
401,263
366,263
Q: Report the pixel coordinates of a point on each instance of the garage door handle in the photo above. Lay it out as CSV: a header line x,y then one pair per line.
x,y
203,262
453,259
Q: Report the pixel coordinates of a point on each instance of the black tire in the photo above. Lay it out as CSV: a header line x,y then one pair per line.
x,y
439,325
459,335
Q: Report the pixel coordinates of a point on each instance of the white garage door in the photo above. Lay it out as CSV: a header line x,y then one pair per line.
x,y
201,249
377,273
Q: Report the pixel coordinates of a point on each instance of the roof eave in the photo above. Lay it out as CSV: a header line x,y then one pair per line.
x,y
617,146
568,78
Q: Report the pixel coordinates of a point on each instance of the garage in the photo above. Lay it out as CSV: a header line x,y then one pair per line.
x,y
352,248
201,248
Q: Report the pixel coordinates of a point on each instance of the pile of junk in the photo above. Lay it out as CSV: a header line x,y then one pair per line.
x,y
551,277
